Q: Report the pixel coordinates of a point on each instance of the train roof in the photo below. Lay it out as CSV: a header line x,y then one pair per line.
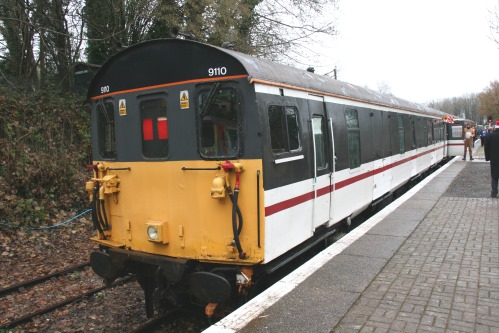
x,y
166,62
464,121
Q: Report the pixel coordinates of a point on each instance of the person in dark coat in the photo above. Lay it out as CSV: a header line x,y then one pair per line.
x,y
491,149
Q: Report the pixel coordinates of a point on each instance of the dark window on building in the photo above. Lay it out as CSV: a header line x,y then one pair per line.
x,y
219,119
154,128
106,129
284,130
353,135
401,133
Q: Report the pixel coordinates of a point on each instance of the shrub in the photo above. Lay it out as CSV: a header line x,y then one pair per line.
x,y
44,150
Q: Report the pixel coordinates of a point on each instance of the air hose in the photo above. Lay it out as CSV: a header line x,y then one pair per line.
x,y
239,215
98,211
235,228
236,212
103,212
95,208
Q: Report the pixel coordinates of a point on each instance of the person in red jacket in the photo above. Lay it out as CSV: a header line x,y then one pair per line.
x,y
491,150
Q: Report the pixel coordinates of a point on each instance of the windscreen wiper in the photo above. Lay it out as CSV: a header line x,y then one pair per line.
x,y
210,99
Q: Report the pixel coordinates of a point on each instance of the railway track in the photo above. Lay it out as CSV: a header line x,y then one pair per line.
x,y
16,287
155,323
37,281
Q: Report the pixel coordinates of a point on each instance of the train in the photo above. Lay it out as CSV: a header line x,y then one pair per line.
x,y
212,169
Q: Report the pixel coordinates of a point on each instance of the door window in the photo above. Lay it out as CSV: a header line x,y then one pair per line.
x,y
154,128
319,140
401,133
353,133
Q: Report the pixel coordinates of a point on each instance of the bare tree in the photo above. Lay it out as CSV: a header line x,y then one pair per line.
x,y
466,106
291,30
494,24
61,38
18,33
41,40
115,24
384,88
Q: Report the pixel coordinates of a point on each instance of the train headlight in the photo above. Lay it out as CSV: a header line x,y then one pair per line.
x,y
157,232
152,232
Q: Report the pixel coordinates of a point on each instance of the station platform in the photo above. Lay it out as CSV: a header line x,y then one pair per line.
x,y
428,262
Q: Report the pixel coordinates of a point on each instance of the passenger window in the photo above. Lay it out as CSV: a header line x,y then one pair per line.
x,y
154,128
284,129
353,135
106,129
401,133
219,121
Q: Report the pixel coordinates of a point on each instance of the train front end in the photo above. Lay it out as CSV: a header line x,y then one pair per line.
x,y
175,191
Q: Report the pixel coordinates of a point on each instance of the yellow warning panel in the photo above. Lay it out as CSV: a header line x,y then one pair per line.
x,y
184,99
122,104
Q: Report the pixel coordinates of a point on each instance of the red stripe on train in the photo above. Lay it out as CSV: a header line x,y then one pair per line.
x,y
286,204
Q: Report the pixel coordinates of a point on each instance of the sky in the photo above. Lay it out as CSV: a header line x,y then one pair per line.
x,y
423,50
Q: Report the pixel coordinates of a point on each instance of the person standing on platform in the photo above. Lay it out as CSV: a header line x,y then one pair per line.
x,y
491,150
468,141
483,135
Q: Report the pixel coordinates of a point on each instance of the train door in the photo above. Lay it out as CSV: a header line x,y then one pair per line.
x,y
321,178
414,150
444,138
381,137
431,140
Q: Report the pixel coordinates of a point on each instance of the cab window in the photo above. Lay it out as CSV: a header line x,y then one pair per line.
x,y
219,121
106,129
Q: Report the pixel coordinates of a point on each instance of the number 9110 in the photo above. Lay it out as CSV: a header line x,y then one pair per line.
x,y
217,71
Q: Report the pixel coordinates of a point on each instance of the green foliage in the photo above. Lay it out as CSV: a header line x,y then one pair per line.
x,y
44,148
